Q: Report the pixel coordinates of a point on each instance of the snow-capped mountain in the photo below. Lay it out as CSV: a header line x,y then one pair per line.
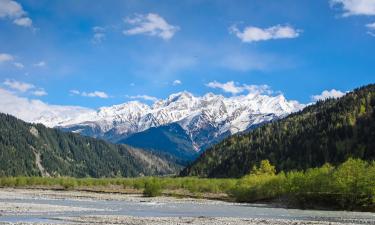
x,y
205,119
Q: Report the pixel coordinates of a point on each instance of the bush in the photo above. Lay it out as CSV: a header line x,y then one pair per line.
x,y
152,188
68,183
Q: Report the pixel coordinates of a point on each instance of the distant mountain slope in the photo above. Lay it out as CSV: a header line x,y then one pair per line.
x,y
32,150
329,131
170,139
173,140
206,119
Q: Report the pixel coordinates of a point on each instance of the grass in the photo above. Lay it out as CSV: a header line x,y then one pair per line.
x,y
350,185
149,186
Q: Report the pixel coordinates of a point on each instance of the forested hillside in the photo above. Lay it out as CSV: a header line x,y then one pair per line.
x,y
34,150
328,131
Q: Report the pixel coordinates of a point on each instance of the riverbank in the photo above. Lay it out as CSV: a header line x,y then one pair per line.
x,y
189,187
349,186
35,206
128,220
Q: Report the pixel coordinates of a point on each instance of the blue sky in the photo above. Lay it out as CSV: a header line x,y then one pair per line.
x,y
104,52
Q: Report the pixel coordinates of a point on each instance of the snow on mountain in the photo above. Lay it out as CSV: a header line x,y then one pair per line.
x,y
203,118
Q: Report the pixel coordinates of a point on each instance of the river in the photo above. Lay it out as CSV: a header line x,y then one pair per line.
x,y
50,207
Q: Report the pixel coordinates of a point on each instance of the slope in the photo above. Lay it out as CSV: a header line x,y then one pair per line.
x,y
170,139
329,131
34,150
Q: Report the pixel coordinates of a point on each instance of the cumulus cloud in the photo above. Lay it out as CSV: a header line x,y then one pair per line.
x,y
356,7
99,34
24,87
150,24
326,94
94,94
31,110
40,64
143,97
14,11
176,82
4,57
228,87
254,34
233,88
24,21
18,86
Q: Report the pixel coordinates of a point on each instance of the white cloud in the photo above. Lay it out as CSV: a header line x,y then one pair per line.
x,y
39,92
40,64
17,85
233,88
24,21
94,94
13,10
356,7
99,34
229,87
31,110
328,94
24,87
143,97
10,9
254,34
177,82
150,24
5,57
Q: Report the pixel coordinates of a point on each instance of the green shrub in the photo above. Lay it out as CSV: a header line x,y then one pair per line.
x,y
152,188
68,183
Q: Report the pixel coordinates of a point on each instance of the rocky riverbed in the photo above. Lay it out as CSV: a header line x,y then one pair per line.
x,y
33,206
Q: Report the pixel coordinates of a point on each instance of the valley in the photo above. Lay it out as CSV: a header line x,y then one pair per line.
x,y
188,112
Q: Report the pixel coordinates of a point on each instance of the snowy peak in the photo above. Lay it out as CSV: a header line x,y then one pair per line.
x,y
204,118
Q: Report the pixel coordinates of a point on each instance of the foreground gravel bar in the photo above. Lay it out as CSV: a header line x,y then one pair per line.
x,y
36,206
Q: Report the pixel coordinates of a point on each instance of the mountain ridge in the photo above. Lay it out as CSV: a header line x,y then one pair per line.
x,y
206,120
329,131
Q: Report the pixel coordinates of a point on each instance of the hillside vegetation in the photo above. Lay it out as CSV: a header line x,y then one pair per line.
x,y
34,150
329,131
351,185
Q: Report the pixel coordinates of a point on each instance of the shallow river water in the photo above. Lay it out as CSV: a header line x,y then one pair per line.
x,y
157,207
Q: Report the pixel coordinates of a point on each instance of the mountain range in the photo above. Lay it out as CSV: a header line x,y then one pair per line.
x,y
182,124
329,131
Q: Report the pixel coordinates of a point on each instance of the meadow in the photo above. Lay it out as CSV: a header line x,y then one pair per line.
x,y
350,186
